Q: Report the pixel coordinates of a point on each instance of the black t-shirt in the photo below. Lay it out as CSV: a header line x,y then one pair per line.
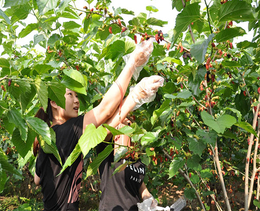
x,y
120,191
61,192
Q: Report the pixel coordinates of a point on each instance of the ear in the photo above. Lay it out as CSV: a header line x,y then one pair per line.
x,y
53,104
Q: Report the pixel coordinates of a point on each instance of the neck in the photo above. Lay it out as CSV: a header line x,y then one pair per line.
x,y
58,122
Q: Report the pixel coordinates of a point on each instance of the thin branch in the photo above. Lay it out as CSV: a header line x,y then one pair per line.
x,y
221,179
5,77
247,202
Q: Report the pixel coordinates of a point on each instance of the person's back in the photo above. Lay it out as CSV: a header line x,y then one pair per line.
x,y
121,190
61,192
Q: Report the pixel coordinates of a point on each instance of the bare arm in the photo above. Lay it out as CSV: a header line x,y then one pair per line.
x,y
144,193
36,179
112,98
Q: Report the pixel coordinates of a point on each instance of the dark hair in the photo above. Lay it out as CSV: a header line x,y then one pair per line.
x,y
46,117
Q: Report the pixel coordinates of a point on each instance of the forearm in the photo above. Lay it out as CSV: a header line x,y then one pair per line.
x,y
112,98
127,106
144,193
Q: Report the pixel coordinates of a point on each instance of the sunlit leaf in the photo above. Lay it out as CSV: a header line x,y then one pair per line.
x,y
91,137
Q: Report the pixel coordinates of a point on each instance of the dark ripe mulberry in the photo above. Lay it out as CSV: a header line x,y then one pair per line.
x,y
9,82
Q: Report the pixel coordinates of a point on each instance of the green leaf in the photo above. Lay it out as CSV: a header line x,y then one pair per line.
x,y
175,165
246,126
3,180
91,137
194,162
52,148
6,165
219,125
185,94
256,203
156,22
148,138
21,146
151,9
207,137
199,50
46,5
15,117
164,108
42,91
71,25
10,3
4,63
76,76
56,92
229,33
189,14
235,11
93,167
72,158
7,20
127,130
40,127
117,49
196,146
231,64
87,22
28,29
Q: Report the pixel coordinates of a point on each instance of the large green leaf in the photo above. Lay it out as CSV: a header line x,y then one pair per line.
x,y
199,50
21,146
127,130
4,63
71,25
196,146
5,16
46,5
220,124
246,126
229,33
6,165
40,127
28,29
42,91
72,158
156,22
93,167
149,138
75,81
190,13
52,148
3,180
91,137
10,3
115,50
56,92
236,11
175,165
15,117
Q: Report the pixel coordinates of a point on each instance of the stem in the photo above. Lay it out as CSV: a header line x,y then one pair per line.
x,y
221,179
188,179
247,202
5,77
254,171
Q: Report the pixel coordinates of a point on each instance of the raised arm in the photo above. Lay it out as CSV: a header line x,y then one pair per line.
x,y
143,92
112,98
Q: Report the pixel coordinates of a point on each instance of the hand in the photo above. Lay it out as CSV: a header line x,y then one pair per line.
x,y
145,90
140,56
